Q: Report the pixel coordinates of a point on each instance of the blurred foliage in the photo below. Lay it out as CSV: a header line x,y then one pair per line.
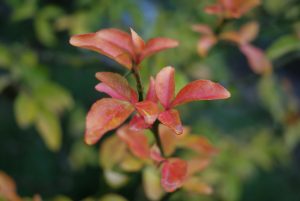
x,y
46,87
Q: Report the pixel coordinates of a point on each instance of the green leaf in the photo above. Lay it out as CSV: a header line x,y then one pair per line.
x,y
47,124
25,109
115,179
24,11
283,46
53,97
151,183
112,197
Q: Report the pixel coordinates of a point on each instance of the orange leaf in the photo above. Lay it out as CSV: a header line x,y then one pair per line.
x,y
173,173
137,42
171,119
232,36
199,144
200,90
197,165
135,140
205,43
149,110
105,115
203,29
196,186
257,60
116,86
8,188
156,45
113,43
165,86
249,31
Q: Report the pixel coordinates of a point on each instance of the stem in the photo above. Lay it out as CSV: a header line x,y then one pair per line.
x,y
155,132
139,87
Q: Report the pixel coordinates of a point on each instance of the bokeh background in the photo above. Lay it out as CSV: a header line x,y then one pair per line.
x,y
47,86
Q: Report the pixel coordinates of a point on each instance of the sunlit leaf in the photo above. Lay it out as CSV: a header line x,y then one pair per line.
x,y
115,179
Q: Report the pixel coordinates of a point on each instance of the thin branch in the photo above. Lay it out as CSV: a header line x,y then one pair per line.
x,y
155,132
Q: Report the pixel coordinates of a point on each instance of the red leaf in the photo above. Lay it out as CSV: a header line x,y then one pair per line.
x,y
113,43
149,110
105,115
165,86
213,9
109,91
173,174
135,140
137,42
257,60
171,119
151,94
200,90
117,86
156,45
205,43
138,123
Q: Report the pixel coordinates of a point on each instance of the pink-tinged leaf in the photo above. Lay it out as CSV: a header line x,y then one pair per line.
x,y
118,85
165,86
197,165
205,43
101,87
248,32
156,45
203,29
200,90
135,140
105,115
257,60
117,48
151,93
138,123
213,9
155,154
171,119
149,110
173,173
195,185
137,42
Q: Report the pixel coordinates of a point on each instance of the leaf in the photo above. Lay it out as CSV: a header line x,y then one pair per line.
x,y
205,43
165,86
151,184
283,46
104,42
199,144
257,60
112,151
171,119
149,110
196,186
8,189
168,139
105,115
115,179
137,42
151,94
116,86
249,31
200,90
136,141
156,45
138,123
47,124
155,154
196,165
232,36
25,110
173,174
203,29
130,163
112,197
